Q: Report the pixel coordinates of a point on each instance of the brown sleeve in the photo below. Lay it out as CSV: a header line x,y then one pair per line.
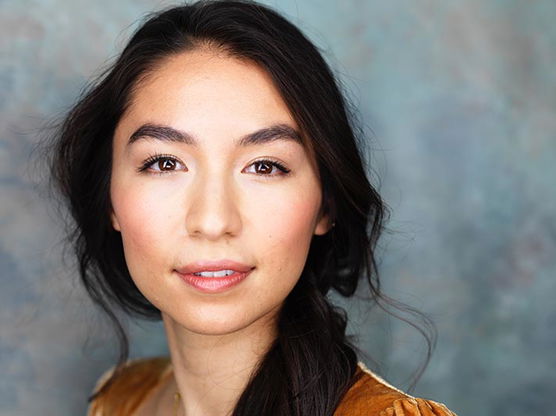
x,y
416,407
126,393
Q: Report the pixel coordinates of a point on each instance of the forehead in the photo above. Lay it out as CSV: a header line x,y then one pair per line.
x,y
209,94
200,89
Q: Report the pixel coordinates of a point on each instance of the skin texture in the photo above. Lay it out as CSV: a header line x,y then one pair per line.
x,y
214,203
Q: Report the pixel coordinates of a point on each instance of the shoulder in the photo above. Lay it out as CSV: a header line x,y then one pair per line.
x,y
370,395
129,387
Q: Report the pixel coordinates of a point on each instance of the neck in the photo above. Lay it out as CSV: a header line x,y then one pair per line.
x,y
211,371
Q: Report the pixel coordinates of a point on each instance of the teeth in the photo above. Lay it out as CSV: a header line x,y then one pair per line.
x,y
220,273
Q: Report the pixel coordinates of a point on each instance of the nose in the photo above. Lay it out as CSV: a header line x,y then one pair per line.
x,y
213,210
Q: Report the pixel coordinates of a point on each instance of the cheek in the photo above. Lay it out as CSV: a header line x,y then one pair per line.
x,y
286,227
144,222
292,221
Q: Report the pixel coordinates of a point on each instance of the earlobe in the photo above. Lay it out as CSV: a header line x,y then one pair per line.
x,y
324,225
114,220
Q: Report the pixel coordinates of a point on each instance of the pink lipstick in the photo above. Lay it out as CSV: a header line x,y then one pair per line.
x,y
214,276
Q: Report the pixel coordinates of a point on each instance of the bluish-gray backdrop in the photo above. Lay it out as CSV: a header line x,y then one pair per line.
x,y
461,96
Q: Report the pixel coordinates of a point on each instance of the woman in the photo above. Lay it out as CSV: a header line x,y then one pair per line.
x,y
215,183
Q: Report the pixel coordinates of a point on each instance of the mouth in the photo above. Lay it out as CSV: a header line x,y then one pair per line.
x,y
214,281
214,276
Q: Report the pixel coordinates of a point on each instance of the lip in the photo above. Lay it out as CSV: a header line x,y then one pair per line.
x,y
214,284
214,266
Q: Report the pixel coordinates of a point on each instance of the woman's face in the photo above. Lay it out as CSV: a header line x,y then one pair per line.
x,y
194,180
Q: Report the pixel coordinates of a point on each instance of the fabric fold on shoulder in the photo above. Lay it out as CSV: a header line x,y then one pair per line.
x,y
417,407
371,395
136,380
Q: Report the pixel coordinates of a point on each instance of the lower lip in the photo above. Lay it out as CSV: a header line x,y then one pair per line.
x,y
214,284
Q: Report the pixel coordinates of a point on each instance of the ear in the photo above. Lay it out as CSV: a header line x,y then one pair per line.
x,y
114,221
323,225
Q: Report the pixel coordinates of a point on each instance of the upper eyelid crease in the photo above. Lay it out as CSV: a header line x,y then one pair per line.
x,y
261,136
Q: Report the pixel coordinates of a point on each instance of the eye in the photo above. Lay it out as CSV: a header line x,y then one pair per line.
x,y
267,167
160,164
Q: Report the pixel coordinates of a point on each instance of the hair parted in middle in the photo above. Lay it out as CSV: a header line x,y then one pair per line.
x,y
311,363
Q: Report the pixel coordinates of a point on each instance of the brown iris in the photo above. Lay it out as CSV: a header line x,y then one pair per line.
x,y
167,164
267,169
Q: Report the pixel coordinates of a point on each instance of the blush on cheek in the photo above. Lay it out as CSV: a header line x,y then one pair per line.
x,y
142,230
298,221
289,236
144,212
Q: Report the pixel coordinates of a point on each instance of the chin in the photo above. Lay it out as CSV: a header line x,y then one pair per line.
x,y
222,322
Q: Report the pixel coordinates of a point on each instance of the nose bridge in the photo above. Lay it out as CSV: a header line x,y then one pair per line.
x,y
213,210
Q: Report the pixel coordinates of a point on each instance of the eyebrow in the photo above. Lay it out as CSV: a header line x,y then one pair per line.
x,y
169,134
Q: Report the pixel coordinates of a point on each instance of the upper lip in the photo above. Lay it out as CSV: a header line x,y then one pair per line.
x,y
213,266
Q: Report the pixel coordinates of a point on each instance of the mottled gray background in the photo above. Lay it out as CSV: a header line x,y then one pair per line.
x,y
461,98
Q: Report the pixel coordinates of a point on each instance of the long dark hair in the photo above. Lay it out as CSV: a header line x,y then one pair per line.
x,y
312,362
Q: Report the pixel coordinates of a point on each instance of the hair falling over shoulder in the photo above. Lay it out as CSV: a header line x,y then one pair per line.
x,y
311,363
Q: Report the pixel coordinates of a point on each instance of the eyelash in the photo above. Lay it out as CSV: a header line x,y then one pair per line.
x,y
151,160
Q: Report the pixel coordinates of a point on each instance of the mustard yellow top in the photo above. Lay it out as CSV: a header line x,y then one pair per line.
x,y
370,395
